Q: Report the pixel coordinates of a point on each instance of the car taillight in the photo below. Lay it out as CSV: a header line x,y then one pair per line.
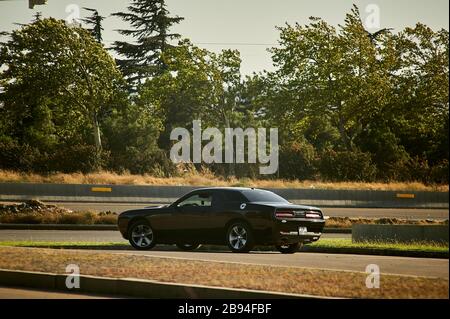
x,y
312,214
284,214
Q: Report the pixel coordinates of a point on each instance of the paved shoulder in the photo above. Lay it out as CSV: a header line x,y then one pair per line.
x,y
29,293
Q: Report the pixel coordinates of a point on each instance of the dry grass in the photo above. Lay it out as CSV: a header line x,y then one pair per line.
x,y
347,222
36,212
204,178
283,279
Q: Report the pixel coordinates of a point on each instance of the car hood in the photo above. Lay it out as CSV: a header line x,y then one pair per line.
x,y
142,211
155,207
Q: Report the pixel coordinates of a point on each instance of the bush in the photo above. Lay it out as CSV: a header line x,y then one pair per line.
x,y
347,166
14,156
297,161
78,158
439,173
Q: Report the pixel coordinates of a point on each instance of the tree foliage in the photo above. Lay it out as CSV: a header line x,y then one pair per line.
x,y
349,104
150,31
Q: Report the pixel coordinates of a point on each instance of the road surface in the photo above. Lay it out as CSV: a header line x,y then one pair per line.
x,y
82,235
407,213
30,293
430,267
389,264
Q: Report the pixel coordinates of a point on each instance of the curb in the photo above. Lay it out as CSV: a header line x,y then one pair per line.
x,y
138,287
377,252
336,230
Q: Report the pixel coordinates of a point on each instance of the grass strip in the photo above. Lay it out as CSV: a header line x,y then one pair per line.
x,y
258,277
326,245
346,246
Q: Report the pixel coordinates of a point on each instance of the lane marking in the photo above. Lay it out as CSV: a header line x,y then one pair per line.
x,y
406,195
101,189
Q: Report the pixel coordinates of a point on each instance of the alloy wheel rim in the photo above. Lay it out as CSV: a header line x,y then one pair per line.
x,y
142,235
238,237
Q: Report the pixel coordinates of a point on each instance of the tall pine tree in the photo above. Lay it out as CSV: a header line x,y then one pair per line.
x,y
95,21
151,23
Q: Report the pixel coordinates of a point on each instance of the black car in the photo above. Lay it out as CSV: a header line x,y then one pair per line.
x,y
238,217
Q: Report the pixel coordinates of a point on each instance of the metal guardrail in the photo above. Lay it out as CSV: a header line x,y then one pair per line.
x,y
164,194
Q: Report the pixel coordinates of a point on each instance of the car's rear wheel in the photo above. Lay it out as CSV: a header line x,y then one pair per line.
x,y
141,235
239,238
288,248
188,247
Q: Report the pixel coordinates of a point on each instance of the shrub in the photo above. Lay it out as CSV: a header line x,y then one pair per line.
x,y
347,166
297,161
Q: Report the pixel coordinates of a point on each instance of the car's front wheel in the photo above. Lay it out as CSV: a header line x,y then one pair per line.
x,y
288,248
141,235
239,238
188,247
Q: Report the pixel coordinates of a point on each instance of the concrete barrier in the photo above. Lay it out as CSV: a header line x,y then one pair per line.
x,y
57,227
138,287
167,194
400,233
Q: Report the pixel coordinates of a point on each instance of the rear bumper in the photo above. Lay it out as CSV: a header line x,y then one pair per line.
x,y
287,231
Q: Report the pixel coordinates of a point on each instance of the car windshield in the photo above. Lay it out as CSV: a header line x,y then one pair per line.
x,y
262,196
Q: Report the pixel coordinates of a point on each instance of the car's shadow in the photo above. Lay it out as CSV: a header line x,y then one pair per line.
x,y
166,248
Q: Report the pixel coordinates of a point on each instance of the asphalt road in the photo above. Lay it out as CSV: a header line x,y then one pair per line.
x,y
388,264
407,213
30,293
82,235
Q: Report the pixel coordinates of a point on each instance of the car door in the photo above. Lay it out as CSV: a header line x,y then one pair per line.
x,y
210,221
189,217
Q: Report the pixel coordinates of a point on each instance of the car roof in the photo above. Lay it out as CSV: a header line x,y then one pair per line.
x,y
229,188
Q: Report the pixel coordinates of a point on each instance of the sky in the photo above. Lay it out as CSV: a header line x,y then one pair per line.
x,y
245,25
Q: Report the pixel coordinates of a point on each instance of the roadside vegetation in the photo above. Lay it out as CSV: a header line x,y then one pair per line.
x,y
349,105
37,212
340,243
206,178
282,279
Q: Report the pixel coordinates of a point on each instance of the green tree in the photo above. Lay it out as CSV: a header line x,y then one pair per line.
x,y
95,23
151,23
57,84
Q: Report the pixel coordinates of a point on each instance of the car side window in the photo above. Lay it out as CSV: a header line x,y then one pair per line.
x,y
197,200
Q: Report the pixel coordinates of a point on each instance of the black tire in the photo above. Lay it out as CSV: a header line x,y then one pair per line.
x,y
141,235
188,247
239,237
289,249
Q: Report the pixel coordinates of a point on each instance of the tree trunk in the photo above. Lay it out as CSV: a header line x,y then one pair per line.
x,y
97,138
231,171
